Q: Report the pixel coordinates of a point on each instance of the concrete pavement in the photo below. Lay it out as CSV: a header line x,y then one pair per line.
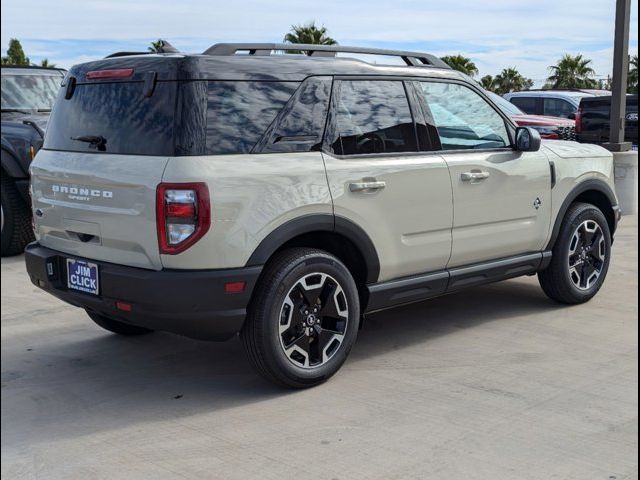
x,y
493,383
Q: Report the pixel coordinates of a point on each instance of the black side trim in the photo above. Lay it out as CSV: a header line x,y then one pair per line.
x,y
406,290
494,271
422,287
593,184
322,223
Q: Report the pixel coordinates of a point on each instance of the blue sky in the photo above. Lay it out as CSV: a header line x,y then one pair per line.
x,y
530,35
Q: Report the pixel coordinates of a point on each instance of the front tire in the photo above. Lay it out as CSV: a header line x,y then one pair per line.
x,y
303,318
16,231
114,326
580,258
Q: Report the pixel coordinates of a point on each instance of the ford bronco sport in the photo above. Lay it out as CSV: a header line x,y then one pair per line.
x,y
283,196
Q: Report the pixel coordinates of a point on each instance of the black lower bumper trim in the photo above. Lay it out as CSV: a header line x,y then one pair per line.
x,y
187,302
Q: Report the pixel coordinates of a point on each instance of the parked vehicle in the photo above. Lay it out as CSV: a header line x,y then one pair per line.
x,y
27,96
283,196
553,103
593,120
550,128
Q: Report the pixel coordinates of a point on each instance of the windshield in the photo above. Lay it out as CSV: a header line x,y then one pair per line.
x,y
505,105
30,91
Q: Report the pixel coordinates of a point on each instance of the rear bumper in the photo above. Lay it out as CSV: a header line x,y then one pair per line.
x,y
187,302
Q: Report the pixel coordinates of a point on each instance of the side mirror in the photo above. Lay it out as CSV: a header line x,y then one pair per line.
x,y
527,139
571,116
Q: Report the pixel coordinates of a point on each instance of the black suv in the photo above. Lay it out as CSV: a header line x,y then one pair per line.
x,y
28,94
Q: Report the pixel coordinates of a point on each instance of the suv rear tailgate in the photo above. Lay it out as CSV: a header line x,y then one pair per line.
x,y
98,206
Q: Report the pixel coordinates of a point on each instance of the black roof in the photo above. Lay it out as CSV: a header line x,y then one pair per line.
x,y
221,62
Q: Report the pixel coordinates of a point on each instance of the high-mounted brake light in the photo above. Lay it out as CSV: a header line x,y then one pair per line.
x,y
113,73
183,215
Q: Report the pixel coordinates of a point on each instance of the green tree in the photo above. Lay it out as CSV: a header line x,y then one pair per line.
x,y
157,46
45,63
309,33
632,77
488,82
462,64
572,72
15,54
510,80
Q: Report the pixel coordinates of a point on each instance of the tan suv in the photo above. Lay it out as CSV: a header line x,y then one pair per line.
x,y
282,197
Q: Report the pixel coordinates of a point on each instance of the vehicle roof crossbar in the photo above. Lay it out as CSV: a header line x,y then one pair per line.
x,y
412,59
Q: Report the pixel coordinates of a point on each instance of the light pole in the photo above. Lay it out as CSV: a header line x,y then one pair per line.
x,y
619,86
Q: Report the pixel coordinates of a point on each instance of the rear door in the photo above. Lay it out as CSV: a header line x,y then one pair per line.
x,y
94,182
501,197
381,181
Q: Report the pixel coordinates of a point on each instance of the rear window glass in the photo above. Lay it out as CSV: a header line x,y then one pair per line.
x,y
373,117
526,104
238,113
119,113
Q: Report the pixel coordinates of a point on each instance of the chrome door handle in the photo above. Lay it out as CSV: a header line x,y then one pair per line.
x,y
368,186
474,176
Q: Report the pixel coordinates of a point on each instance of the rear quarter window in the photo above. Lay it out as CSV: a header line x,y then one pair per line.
x,y
239,112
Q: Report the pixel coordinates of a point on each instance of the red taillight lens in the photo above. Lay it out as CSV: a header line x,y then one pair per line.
x,y
578,120
114,73
183,215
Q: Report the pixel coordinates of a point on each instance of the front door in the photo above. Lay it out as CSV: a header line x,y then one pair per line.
x,y
502,197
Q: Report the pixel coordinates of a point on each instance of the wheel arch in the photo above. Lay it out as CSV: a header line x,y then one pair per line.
x,y
595,192
334,234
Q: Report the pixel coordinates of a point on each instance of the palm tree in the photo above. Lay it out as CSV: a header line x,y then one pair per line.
x,y
45,63
632,77
488,82
157,46
310,34
510,80
572,72
462,64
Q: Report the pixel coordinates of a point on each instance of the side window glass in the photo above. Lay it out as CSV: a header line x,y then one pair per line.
x,y
238,113
463,118
372,116
526,104
556,107
300,124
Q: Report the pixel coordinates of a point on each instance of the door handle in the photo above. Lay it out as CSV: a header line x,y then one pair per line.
x,y
367,186
474,176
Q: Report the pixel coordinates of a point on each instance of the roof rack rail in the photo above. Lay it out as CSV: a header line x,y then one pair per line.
x,y
412,59
165,47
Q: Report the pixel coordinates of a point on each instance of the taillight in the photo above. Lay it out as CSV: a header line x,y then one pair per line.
x,y
578,120
113,73
183,215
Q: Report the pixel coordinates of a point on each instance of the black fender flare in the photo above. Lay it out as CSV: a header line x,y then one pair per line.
x,y
319,223
585,186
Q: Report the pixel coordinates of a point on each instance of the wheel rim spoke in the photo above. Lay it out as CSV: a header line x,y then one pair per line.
x,y
313,320
587,252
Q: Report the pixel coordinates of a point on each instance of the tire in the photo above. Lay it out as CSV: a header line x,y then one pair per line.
x,y
293,335
584,225
115,326
16,220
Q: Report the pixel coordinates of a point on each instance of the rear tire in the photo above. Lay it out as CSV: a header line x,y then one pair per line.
x,y
16,220
303,318
580,258
115,326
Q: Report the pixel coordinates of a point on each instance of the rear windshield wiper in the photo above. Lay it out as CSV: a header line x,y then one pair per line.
x,y
94,141
44,110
